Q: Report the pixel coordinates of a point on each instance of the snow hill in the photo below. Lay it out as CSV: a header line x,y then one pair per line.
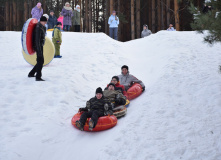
x,y
177,117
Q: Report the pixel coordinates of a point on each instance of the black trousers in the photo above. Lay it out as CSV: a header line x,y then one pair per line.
x,y
38,67
77,28
94,115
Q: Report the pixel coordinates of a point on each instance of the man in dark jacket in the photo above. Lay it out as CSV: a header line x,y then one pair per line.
x,y
52,21
96,107
38,43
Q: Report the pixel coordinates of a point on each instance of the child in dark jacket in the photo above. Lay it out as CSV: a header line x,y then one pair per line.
x,y
57,39
96,107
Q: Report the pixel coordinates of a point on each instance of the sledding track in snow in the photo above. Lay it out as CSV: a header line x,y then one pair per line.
x,y
177,117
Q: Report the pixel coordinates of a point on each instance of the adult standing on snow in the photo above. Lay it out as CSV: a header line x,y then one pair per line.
x,y
171,28
37,11
146,32
38,43
67,12
52,21
113,25
76,19
127,79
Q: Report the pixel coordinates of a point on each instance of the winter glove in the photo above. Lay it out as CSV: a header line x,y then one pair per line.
x,y
143,89
83,109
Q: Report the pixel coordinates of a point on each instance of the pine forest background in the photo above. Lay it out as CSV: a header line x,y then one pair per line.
x,y
157,14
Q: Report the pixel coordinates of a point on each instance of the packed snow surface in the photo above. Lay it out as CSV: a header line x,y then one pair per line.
x,y
177,117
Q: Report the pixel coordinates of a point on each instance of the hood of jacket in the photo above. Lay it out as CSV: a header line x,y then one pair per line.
x,y
68,8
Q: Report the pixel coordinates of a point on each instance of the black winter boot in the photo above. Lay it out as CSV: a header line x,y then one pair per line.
x,y
91,125
39,79
79,125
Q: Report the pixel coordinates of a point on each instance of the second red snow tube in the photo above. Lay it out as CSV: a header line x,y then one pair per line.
x,y
26,37
103,123
134,91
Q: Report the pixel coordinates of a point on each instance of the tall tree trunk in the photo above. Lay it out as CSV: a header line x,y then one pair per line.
x,y
18,17
158,15
7,16
25,11
94,17
11,16
162,15
35,3
14,16
138,17
90,17
153,17
132,20
44,6
79,3
86,16
119,27
168,13
149,15
30,6
106,15
97,13
111,6
176,12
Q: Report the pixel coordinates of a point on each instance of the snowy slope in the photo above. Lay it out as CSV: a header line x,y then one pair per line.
x,y
177,117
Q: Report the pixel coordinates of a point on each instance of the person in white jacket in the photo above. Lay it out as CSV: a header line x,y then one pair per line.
x,y
113,22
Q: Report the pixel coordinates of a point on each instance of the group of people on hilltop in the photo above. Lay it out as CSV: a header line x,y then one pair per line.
x,y
105,101
67,17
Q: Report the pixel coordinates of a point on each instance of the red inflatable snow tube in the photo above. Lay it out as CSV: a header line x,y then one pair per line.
x,y
103,123
134,91
26,37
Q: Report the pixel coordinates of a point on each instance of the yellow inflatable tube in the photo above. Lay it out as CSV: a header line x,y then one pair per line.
x,y
48,51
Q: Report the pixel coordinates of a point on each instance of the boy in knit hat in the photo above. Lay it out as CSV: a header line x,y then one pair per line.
x,y
57,39
96,107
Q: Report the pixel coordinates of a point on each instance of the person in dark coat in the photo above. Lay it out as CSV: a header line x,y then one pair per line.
x,y
38,43
206,8
115,96
96,107
52,21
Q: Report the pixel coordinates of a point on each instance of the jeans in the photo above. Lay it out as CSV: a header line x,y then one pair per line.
x,y
113,33
67,27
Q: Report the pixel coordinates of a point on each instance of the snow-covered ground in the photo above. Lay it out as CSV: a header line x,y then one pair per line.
x,y
177,117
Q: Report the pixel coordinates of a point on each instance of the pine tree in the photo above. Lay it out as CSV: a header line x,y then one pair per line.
x,y
210,21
